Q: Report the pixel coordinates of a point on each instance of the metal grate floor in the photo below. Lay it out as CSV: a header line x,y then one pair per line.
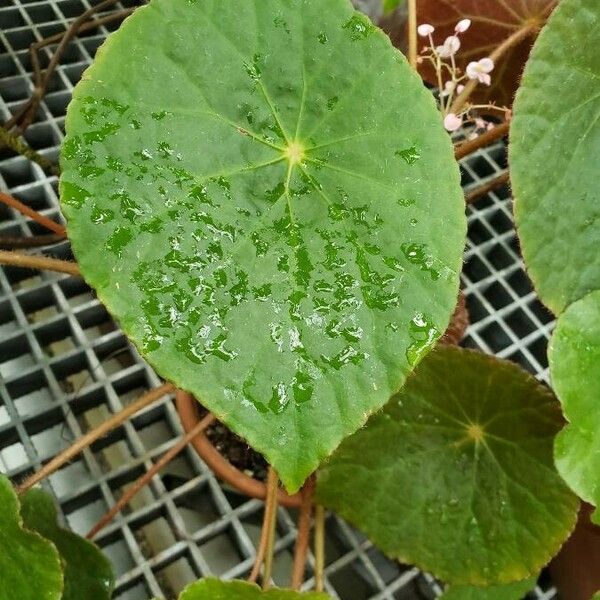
x,y
64,366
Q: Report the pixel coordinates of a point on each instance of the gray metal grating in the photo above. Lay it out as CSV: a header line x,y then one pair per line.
x,y
64,366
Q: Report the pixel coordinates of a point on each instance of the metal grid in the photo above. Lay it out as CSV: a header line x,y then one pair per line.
x,y
64,366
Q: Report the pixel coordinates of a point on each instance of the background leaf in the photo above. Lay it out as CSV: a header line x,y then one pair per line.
x,y
390,5
87,572
555,156
30,567
509,591
262,193
213,589
456,474
493,22
574,365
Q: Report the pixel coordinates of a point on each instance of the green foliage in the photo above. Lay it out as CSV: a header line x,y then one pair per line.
x,y
213,589
30,567
555,156
87,572
268,204
391,5
574,364
510,591
456,474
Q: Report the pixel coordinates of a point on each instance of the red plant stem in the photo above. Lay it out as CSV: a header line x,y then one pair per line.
x,y
488,187
33,214
89,438
146,477
485,139
11,242
301,549
319,547
28,261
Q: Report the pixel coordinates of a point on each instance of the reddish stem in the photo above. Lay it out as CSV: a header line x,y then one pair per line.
x,y
32,214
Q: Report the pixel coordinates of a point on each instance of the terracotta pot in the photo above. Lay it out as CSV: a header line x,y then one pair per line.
x,y
189,412
576,569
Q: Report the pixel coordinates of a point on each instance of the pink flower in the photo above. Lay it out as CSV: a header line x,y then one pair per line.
x,y
462,26
425,30
480,123
450,48
452,122
480,70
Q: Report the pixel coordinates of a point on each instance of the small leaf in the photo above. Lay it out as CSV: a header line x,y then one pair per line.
x,y
30,567
456,475
574,355
509,591
87,572
555,156
213,589
493,22
261,192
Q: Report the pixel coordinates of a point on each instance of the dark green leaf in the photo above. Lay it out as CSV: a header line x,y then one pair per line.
x,y
87,573
456,474
555,156
262,194
213,589
509,591
30,567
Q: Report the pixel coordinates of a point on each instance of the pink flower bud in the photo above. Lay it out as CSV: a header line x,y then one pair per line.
x,y
452,122
425,29
462,26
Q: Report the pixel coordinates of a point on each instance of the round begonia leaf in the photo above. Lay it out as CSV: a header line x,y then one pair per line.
x,y
555,156
214,589
87,572
456,473
262,194
574,355
508,591
30,567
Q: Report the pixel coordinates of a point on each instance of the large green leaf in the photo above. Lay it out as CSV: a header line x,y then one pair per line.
x,y
509,591
87,572
30,567
575,369
456,474
262,194
213,589
555,156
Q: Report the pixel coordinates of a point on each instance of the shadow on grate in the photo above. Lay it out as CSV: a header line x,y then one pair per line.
x,y
65,366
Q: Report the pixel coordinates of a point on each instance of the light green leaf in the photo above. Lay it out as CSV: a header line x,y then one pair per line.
x,y
456,474
509,591
30,567
87,572
555,156
574,355
390,5
213,589
261,192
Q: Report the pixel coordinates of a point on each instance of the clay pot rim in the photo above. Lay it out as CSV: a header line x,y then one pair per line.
x,y
189,413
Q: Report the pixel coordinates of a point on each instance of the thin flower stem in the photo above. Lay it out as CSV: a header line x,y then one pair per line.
x,y
272,487
33,214
517,37
270,508
89,438
319,547
27,261
301,549
485,139
412,33
490,186
147,477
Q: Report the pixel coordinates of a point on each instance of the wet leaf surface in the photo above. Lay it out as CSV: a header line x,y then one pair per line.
x,y
213,589
248,187
456,474
30,567
510,591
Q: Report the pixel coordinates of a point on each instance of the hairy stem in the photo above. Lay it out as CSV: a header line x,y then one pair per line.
x,y
485,139
301,549
27,261
319,547
488,187
516,38
10,242
89,438
147,477
272,487
268,523
18,145
412,33
33,214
